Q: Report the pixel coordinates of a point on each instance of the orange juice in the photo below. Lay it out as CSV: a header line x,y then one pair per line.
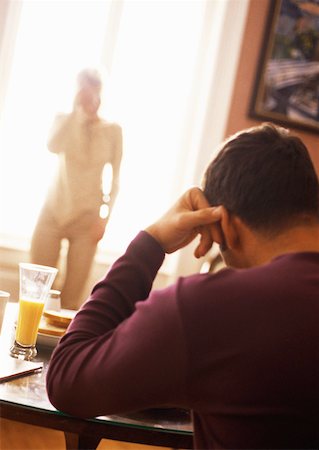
x,y
30,312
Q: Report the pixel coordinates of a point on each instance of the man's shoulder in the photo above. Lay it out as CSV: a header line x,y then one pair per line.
x,y
282,272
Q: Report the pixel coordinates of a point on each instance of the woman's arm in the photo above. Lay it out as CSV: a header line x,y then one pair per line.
x,y
116,166
60,132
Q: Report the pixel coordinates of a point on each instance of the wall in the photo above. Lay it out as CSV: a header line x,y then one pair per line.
x,y
4,5
248,61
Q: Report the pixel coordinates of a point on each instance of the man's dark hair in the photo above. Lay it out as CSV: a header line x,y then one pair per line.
x,y
266,177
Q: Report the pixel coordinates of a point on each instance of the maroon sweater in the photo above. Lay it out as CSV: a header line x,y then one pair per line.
x,y
240,348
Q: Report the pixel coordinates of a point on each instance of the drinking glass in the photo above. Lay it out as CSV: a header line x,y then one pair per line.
x,y
35,283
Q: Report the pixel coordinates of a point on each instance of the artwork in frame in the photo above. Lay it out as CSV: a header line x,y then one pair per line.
x,y
286,90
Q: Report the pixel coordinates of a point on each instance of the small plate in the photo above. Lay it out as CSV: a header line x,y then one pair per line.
x,y
47,340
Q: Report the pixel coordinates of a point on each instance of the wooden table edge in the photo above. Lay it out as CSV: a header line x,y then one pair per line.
x,y
91,428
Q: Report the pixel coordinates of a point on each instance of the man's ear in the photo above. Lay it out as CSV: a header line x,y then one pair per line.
x,y
229,227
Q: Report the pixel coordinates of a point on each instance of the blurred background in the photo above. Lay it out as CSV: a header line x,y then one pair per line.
x,y
178,77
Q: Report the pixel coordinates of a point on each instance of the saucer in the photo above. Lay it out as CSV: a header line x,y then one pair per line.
x,y
47,340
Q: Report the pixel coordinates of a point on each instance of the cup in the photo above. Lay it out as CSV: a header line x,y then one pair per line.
x,y
35,284
4,298
53,302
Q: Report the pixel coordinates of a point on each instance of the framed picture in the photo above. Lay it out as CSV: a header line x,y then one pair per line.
x,y
286,89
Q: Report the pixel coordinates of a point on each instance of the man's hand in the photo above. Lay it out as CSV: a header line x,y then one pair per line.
x,y
191,215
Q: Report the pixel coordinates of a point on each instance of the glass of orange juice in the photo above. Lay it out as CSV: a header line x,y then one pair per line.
x,y
35,283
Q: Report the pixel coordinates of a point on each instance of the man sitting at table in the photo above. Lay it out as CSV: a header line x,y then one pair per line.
x,y
240,347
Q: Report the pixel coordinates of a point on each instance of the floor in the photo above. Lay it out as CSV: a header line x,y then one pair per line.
x,y
19,436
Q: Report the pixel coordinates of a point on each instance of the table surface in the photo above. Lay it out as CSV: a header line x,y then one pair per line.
x,y
25,399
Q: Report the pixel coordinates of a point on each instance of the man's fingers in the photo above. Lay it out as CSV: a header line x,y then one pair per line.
x,y
205,216
217,233
190,216
206,223
205,243
197,199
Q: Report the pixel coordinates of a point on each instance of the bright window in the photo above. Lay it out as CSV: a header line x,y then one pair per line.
x,y
168,85
147,91
55,39
151,80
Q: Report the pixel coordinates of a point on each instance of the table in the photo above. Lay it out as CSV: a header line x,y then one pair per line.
x,y
24,399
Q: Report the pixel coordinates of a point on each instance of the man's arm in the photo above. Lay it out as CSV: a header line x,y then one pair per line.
x,y
122,353
119,355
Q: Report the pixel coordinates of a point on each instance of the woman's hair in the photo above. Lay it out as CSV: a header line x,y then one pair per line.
x,y
90,77
265,176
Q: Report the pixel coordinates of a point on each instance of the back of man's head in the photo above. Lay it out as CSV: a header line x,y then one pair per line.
x,y
264,176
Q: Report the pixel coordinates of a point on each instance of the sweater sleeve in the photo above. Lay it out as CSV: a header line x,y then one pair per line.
x,y
124,349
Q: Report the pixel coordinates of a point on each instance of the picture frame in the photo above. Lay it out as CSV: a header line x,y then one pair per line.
x,y
286,89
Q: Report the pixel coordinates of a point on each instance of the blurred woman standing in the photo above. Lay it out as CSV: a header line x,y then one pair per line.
x,y
76,208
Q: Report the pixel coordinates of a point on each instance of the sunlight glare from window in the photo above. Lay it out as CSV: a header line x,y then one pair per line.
x,y
47,57
147,93
149,89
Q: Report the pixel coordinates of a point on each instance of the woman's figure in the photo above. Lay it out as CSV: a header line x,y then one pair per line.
x,y
76,208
